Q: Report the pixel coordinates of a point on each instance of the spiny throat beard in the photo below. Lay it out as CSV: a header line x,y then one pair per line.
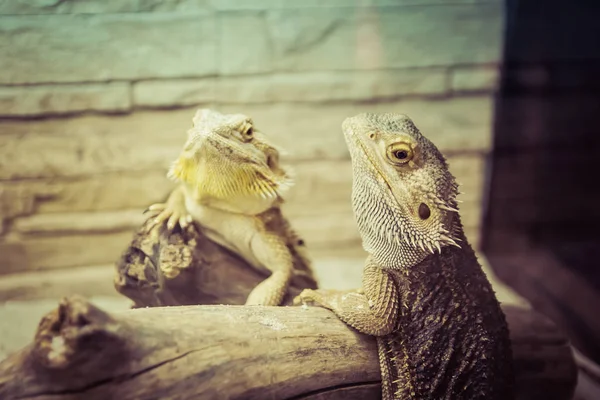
x,y
226,179
376,213
387,227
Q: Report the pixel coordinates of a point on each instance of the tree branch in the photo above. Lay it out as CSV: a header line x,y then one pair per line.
x,y
237,352
186,268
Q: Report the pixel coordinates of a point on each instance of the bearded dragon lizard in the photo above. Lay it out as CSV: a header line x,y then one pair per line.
x,y
440,331
231,184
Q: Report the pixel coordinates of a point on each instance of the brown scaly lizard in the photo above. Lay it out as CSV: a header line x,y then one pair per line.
x,y
440,331
231,183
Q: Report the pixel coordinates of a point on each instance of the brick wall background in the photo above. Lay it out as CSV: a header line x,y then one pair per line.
x,y
96,97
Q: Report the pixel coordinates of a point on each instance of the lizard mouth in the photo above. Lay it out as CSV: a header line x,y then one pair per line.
x,y
365,154
351,136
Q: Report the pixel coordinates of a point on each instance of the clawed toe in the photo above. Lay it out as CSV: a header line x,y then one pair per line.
x,y
305,297
157,215
160,213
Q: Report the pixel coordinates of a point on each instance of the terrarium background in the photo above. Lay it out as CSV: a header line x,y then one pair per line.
x,y
96,98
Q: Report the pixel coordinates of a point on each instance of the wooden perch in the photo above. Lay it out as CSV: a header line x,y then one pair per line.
x,y
235,352
187,268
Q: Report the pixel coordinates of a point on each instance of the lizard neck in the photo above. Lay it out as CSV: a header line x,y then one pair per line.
x,y
241,204
449,320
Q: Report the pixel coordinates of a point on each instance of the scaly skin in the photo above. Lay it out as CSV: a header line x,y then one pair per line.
x,y
231,185
440,331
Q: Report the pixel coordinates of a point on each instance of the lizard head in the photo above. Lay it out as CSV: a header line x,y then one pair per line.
x,y
225,158
404,196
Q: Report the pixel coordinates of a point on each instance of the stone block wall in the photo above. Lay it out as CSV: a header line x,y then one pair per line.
x,y
96,97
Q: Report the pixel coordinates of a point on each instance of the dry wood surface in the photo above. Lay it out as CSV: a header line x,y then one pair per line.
x,y
237,352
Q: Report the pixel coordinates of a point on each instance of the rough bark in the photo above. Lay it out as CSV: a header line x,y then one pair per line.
x,y
234,352
186,268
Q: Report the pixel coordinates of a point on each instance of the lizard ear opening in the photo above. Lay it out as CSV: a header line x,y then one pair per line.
x,y
424,211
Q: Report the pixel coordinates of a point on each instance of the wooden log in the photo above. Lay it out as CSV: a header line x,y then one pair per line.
x,y
237,352
184,267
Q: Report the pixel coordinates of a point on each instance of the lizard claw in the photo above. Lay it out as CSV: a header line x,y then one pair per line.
x,y
185,221
165,212
308,297
154,208
302,298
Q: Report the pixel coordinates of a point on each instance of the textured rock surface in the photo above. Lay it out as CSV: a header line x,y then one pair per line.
x,y
61,99
89,220
90,47
332,86
22,253
368,38
96,98
173,93
152,139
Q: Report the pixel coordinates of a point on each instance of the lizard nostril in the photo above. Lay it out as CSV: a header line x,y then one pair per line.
x,y
424,211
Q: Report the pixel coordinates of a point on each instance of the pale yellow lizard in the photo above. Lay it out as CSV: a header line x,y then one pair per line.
x,y
231,184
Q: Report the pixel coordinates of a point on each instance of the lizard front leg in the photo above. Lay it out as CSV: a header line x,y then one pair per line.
x,y
373,312
271,251
173,211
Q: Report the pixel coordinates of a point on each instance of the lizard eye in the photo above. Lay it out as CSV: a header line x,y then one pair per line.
x,y
424,211
399,153
248,133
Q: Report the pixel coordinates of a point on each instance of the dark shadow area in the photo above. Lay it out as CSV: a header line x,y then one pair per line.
x,y
542,221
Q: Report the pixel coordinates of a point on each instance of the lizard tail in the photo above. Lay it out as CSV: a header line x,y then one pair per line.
x,y
271,291
387,378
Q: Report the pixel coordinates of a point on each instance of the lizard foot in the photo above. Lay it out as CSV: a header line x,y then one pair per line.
x,y
306,297
173,214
